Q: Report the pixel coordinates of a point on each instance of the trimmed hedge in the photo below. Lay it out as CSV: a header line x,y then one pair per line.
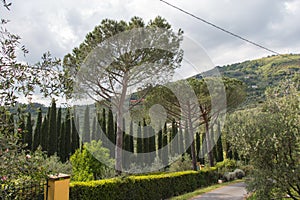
x,y
150,187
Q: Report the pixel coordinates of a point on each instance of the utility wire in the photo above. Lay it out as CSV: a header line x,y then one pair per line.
x,y
220,28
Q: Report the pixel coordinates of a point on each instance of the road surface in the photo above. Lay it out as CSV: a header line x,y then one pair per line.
x,y
230,192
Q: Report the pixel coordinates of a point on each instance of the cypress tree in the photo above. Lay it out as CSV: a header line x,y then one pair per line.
x,y
94,131
68,134
86,137
103,121
159,141
75,136
174,143
61,143
37,130
139,143
187,140
198,146
203,149
131,144
145,142
214,149
152,144
164,152
28,132
52,135
111,131
58,126
44,134
180,140
220,156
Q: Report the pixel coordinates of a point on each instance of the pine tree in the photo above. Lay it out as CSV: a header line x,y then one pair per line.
x,y
37,130
86,136
68,134
28,132
52,135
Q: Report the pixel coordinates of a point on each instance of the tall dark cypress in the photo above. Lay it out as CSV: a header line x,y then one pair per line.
x,y
68,134
214,149
52,135
164,152
220,156
203,149
198,146
187,140
152,144
61,143
37,130
146,142
159,141
139,144
58,126
28,132
94,130
180,140
75,136
86,137
174,143
103,122
44,133
131,144
111,131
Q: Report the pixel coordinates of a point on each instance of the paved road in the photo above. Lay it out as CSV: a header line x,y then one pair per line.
x,y
231,192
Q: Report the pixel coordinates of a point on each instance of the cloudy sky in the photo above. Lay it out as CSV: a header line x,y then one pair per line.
x,y
59,26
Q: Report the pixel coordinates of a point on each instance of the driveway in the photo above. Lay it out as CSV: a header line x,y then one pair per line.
x,y
235,191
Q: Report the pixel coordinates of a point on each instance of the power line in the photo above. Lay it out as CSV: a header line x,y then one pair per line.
x,y
220,28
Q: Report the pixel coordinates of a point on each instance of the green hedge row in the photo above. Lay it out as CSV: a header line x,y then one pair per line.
x,y
159,186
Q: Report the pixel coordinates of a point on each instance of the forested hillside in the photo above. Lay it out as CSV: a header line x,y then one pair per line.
x,y
262,73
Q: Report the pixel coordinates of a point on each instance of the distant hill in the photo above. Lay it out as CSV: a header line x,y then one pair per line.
x,y
262,73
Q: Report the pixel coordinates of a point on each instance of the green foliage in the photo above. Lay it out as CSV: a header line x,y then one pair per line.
x,y
226,165
86,165
183,163
270,137
160,186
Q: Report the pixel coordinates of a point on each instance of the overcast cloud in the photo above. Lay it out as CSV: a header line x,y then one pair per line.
x,y
59,26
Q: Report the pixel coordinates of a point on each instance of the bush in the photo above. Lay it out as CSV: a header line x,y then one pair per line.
x,y
229,176
226,165
159,186
183,163
239,173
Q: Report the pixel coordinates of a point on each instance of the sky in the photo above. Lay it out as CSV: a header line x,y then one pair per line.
x,y
59,26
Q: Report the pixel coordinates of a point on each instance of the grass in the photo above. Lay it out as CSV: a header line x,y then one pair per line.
x,y
204,190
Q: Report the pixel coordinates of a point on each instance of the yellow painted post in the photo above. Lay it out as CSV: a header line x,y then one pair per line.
x,y
58,187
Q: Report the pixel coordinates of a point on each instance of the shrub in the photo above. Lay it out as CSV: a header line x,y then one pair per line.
x,y
226,165
183,163
239,173
229,176
160,186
